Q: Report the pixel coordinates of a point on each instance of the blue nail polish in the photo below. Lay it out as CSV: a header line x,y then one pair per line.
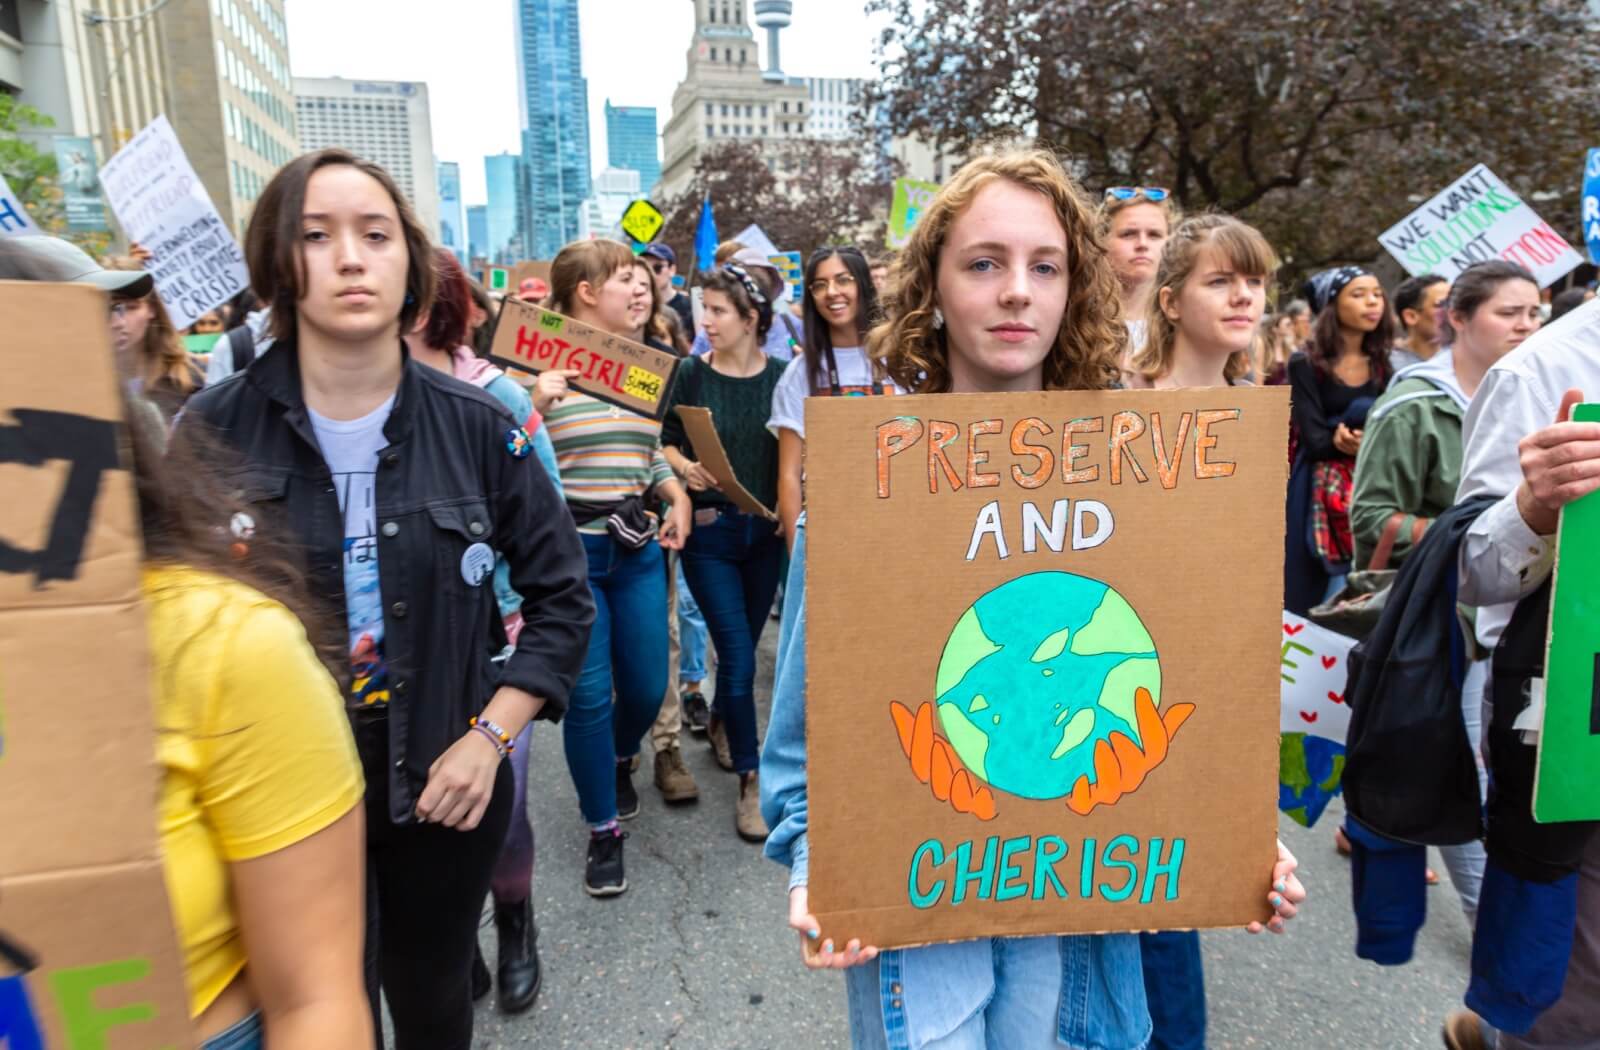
x,y
813,934
1277,901
1281,887
827,946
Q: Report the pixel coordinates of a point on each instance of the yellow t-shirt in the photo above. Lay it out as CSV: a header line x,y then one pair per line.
x,y
254,747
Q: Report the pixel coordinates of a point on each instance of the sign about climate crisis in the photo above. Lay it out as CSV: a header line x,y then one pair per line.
x,y
1058,713
609,367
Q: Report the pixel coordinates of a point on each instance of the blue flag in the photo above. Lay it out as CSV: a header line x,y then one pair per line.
x,y
1591,204
705,237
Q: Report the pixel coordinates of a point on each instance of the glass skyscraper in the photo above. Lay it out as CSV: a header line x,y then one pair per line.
x,y
452,218
478,232
503,235
631,142
554,99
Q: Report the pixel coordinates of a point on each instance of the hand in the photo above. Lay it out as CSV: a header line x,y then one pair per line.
x,y
139,252
1559,464
1346,440
1285,894
460,783
698,478
676,525
824,958
551,387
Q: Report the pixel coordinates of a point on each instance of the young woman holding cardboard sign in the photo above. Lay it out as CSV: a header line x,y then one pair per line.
x,y
1003,287
610,461
734,558
399,484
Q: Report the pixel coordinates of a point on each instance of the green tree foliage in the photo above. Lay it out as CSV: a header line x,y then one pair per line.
x,y
31,173
1322,121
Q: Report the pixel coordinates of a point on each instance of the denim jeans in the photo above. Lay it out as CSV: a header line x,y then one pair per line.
x,y
246,1035
732,567
1175,988
691,635
627,658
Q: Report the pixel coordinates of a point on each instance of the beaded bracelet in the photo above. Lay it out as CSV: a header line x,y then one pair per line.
x,y
503,741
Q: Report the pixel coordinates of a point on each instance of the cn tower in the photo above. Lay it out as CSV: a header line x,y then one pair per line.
x,y
773,15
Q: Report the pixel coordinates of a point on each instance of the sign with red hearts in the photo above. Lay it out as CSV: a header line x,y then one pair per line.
x,y
1311,676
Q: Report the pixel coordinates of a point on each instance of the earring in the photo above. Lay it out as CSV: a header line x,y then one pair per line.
x,y
938,318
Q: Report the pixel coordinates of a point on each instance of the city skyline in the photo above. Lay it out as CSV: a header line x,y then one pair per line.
x,y
474,96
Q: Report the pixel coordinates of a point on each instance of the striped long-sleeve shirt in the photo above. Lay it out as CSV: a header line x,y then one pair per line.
x,y
605,453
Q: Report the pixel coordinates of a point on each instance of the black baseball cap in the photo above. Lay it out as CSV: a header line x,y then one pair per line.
x,y
40,258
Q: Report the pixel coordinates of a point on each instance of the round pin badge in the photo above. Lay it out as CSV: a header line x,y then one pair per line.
x,y
477,562
242,525
518,442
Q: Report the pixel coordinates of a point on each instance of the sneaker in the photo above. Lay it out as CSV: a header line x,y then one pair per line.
x,y
717,737
673,778
602,873
627,798
747,816
1463,1030
696,712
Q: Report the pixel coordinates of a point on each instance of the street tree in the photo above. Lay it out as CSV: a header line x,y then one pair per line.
x,y
1322,121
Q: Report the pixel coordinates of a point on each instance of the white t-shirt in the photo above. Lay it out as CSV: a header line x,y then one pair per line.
x,y
351,447
788,398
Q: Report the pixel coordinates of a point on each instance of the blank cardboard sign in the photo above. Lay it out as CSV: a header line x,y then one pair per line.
x,y
1042,689
87,952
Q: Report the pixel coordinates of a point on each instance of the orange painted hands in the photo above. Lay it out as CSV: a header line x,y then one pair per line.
x,y
1120,765
934,762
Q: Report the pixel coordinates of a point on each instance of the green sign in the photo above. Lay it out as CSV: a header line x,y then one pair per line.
x,y
1567,786
911,198
642,221
497,278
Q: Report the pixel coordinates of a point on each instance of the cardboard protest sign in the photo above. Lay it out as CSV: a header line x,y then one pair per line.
x,y
613,369
1478,217
14,218
1591,204
161,204
792,268
87,952
1055,712
1313,718
910,198
1567,782
699,424
80,183
642,221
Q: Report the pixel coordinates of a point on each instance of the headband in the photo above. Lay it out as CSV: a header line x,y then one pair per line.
x,y
757,297
1324,288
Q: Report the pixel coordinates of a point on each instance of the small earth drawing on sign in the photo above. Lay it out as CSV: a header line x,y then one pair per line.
x,y
1048,687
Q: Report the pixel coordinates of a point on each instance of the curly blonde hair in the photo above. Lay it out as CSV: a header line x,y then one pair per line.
x,y
1092,338
1244,250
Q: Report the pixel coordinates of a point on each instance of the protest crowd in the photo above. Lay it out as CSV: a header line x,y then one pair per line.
x,y
377,562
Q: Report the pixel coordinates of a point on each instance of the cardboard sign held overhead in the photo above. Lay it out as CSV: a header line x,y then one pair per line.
x,y
1475,218
1059,712
87,952
911,197
701,427
1567,782
613,369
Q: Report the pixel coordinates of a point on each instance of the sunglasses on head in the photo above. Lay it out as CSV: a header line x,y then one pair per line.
x,y
1128,193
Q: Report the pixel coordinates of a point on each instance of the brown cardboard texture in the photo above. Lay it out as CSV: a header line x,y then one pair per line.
x,y
609,367
701,427
1038,696
87,950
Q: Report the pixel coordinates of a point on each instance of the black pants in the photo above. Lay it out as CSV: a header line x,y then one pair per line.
x,y
425,889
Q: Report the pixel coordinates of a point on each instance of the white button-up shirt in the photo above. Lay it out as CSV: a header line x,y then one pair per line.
x,y
1501,558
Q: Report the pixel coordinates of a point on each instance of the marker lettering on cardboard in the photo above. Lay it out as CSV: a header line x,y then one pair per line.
x,y
611,368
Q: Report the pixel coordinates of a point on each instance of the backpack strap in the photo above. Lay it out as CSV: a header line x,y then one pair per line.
x,y
1391,532
242,344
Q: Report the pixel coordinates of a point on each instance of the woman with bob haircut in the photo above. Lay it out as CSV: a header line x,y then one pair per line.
x,y
616,483
399,484
1004,287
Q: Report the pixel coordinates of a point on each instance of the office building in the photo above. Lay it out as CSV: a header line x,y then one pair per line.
x,y
452,216
383,121
218,69
555,124
725,96
477,235
632,142
503,234
835,101
601,214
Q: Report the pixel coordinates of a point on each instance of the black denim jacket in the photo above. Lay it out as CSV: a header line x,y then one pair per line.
x,y
446,480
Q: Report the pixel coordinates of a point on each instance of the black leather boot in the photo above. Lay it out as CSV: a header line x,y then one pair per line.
x,y
519,972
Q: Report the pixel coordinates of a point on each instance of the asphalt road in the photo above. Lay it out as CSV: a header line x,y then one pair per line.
x,y
696,954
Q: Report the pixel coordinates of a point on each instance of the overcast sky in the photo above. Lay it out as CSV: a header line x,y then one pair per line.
x,y
633,54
